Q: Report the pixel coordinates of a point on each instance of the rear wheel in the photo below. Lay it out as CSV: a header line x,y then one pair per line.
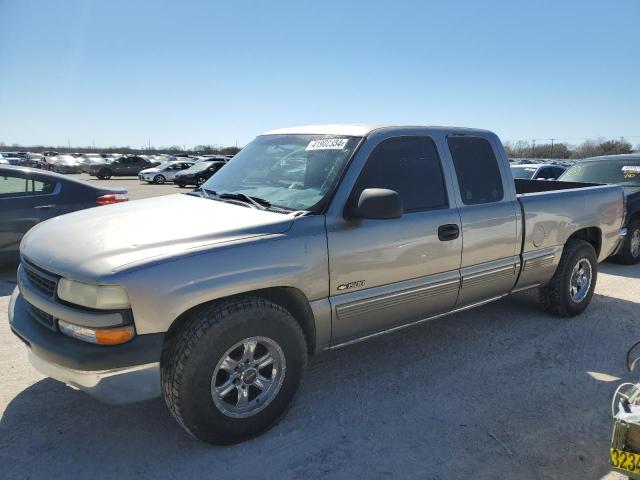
x,y
200,181
630,252
571,288
159,179
233,369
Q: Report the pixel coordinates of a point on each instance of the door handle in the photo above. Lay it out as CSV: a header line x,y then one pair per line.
x,y
448,232
44,207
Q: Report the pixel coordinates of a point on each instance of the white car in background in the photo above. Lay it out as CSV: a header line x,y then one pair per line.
x,y
537,171
89,159
64,164
165,172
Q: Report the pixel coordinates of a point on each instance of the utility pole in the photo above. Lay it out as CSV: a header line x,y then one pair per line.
x,y
533,148
149,144
551,155
68,145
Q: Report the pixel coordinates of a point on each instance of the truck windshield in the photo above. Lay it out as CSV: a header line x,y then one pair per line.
x,y
295,172
621,172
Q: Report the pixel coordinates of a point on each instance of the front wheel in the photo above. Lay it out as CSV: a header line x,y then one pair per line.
x,y
233,369
159,179
200,181
571,288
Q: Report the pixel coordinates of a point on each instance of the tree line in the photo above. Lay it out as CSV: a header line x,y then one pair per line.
x,y
561,150
198,149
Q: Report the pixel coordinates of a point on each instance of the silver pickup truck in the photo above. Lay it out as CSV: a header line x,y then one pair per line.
x,y
310,239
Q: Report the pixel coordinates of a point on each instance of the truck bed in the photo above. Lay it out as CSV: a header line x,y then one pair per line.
x,y
524,186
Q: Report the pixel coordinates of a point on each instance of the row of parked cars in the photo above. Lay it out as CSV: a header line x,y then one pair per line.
x,y
153,168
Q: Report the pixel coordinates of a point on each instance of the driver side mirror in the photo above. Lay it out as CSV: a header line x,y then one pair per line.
x,y
377,204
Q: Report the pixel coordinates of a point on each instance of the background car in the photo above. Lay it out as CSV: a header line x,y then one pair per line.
x,y
199,173
623,170
126,165
65,164
165,172
537,171
29,196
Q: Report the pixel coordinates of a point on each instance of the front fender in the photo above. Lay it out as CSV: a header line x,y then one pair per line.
x,y
160,293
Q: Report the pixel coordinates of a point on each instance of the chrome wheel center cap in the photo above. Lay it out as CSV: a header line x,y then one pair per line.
x,y
249,376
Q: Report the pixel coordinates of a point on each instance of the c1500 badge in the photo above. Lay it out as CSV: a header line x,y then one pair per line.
x,y
348,286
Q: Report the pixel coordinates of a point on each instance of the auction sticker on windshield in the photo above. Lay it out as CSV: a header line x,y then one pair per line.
x,y
327,144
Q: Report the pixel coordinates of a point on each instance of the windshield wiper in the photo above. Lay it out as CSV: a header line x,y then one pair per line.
x,y
259,203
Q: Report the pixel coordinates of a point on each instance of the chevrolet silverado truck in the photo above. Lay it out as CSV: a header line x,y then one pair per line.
x,y
313,238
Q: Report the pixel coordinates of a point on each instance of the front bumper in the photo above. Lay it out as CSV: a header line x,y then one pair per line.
x,y
117,374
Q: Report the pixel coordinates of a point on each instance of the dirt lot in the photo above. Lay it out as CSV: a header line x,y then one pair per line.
x,y
500,392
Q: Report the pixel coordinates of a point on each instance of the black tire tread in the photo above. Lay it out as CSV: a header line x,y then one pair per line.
x,y
550,296
175,356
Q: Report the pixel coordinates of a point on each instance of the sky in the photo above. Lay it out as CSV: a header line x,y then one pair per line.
x,y
219,72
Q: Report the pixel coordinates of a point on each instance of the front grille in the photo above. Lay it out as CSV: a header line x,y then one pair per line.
x,y
43,282
42,317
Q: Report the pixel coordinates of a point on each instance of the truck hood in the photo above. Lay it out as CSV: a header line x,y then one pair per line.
x,y
93,244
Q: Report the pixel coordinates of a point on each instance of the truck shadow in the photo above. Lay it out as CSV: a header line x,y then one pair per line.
x,y
499,389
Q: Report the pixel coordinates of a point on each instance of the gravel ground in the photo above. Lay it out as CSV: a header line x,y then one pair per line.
x,y
499,392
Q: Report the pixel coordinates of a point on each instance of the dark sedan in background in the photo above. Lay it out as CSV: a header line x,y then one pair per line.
x,y
623,170
198,173
126,165
29,196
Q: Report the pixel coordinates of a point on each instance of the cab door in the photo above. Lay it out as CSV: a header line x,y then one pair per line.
x,y
489,214
388,273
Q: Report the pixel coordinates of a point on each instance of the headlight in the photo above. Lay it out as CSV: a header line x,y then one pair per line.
x,y
102,297
100,336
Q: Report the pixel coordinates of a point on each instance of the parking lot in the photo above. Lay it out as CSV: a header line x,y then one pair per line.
x,y
136,188
502,391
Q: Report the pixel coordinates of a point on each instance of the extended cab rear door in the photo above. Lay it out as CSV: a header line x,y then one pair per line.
x,y
387,273
490,218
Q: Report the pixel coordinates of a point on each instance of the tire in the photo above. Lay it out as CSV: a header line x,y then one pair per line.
x,y
159,179
557,297
104,174
181,185
630,252
192,366
200,181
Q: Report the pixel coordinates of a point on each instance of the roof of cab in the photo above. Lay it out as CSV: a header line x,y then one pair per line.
x,y
359,129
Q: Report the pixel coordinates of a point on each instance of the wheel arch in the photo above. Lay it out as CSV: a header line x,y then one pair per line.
x,y
290,298
592,235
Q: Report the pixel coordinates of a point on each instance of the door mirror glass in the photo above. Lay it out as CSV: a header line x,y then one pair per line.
x,y
378,204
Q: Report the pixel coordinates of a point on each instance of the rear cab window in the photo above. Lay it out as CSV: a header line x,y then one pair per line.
x,y
477,170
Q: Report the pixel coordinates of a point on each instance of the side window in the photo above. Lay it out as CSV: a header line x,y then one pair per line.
x,y
544,173
411,167
477,170
39,187
12,186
